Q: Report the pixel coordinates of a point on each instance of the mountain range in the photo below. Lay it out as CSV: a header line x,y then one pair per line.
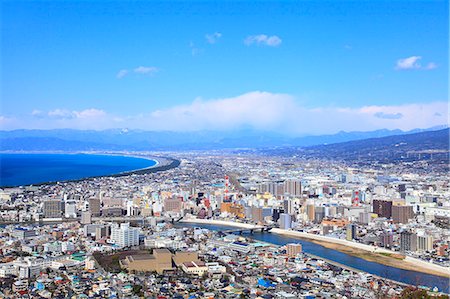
x,y
139,140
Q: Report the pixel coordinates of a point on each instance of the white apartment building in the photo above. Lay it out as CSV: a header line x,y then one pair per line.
x,y
124,235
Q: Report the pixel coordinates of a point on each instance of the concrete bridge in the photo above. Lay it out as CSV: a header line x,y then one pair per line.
x,y
240,230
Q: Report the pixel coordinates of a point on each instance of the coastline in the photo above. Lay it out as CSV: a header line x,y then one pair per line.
x,y
161,164
366,252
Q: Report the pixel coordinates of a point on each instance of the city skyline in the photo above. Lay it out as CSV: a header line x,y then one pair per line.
x,y
296,68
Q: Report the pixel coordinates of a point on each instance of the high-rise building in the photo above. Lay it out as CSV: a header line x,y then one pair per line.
x,y
257,215
124,235
173,204
86,217
351,231
310,211
293,187
319,214
70,209
275,215
273,188
364,218
383,208
293,249
53,208
94,206
102,231
401,214
424,243
386,239
285,221
408,241
288,206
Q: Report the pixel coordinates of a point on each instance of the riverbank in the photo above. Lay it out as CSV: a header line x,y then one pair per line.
x,y
371,254
366,252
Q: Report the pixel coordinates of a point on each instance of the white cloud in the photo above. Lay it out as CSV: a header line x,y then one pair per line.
x,y
121,74
89,113
282,113
149,70
262,39
37,113
411,63
143,70
259,110
60,113
213,38
431,66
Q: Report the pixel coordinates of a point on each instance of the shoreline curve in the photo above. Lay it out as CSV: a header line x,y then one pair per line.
x,y
161,164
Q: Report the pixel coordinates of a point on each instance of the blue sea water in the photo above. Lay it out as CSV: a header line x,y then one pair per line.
x,y
28,169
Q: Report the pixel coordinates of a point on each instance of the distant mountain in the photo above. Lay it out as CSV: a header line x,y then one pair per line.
x,y
429,145
349,136
138,140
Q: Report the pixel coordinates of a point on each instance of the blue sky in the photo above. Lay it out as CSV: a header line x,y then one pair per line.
x,y
292,66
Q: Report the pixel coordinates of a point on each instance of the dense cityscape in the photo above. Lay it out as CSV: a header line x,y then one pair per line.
x,y
203,149
142,234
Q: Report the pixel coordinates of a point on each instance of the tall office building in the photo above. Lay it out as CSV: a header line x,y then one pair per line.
x,y
383,208
53,208
319,214
285,221
408,241
424,243
351,231
293,187
124,235
310,212
257,214
401,214
288,206
386,239
94,206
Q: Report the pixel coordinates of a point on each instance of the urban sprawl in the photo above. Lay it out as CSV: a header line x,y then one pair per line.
x,y
141,235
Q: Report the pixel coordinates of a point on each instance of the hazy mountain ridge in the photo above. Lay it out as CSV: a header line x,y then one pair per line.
x,y
138,140
432,146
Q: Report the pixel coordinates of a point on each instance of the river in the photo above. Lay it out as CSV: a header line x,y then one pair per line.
x,y
405,276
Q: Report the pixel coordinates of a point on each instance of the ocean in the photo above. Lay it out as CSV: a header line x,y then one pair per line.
x,y
29,169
